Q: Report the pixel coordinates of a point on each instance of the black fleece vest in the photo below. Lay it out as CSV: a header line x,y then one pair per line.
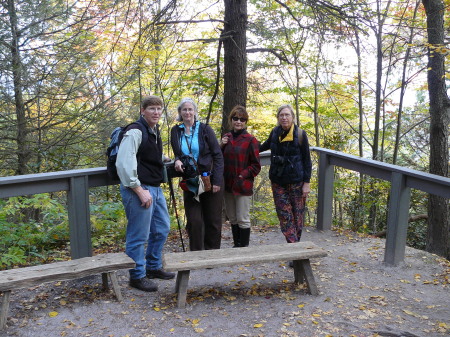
x,y
149,157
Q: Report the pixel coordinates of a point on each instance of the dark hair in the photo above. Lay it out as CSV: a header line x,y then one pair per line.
x,y
151,100
238,111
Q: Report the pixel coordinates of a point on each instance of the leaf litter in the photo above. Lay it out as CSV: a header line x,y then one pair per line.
x,y
359,296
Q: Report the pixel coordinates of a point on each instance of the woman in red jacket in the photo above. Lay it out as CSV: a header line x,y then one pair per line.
x,y
241,165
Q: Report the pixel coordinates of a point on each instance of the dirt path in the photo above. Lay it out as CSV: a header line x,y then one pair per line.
x,y
359,296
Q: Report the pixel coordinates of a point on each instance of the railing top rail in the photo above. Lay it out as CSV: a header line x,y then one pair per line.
x,y
58,181
51,175
385,166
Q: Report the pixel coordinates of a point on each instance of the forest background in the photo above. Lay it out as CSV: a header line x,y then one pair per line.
x,y
359,75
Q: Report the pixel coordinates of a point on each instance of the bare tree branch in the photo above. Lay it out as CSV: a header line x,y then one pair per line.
x,y
290,12
277,52
187,21
216,89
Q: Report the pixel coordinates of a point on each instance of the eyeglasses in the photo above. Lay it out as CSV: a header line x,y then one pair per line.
x,y
188,110
154,108
241,119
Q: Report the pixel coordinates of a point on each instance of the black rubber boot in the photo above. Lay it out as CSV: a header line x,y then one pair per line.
x,y
236,235
245,236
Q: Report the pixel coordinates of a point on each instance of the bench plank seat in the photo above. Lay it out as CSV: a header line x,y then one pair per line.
x,y
299,252
106,264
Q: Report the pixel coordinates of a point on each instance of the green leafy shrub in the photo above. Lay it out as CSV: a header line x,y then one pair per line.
x,y
13,256
108,223
264,213
417,234
31,228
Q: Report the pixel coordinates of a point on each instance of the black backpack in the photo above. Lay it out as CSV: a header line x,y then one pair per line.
x,y
113,148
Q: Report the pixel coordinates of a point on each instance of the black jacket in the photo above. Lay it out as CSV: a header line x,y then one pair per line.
x,y
290,162
210,155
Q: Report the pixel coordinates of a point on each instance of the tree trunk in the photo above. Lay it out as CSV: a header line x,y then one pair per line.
x,y
376,130
438,238
360,96
316,82
403,88
235,57
23,154
378,29
362,211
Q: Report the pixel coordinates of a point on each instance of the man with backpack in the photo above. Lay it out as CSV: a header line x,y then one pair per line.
x,y
140,169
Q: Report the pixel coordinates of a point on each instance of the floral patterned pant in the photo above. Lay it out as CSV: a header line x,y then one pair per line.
x,y
290,207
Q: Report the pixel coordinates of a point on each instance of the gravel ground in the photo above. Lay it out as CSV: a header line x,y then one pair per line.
x,y
359,296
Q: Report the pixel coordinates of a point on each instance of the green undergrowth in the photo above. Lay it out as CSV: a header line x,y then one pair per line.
x,y
35,229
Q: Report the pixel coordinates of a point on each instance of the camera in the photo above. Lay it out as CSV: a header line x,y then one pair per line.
x,y
189,168
278,160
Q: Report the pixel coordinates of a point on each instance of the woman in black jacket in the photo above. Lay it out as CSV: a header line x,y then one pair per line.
x,y
290,172
197,141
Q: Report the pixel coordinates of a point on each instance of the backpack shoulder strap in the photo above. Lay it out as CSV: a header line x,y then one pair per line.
x,y
143,129
274,135
300,136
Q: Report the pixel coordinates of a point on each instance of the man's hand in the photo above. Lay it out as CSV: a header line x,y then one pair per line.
x,y
144,196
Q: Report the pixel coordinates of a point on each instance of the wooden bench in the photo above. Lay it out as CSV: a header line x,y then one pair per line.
x,y
300,253
107,264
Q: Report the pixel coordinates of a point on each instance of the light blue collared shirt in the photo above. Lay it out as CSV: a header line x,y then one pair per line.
x,y
190,141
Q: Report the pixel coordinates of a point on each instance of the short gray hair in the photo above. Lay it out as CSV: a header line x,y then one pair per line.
x,y
180,106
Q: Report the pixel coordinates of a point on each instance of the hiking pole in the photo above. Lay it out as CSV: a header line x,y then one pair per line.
x,y
172,194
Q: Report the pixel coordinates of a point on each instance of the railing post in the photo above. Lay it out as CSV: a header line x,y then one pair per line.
x,y
325,193
397,222
79,217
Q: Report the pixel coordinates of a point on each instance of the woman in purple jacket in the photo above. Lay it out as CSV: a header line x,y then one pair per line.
x,y
241,165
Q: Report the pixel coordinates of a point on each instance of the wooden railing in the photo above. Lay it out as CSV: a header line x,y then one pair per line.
x,y
78,182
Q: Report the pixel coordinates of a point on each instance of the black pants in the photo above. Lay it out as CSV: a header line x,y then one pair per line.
x,y
204,220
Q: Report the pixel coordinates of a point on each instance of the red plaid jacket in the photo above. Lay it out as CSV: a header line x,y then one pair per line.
x,y
241,158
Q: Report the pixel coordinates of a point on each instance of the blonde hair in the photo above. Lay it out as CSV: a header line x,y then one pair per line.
x,y
286,106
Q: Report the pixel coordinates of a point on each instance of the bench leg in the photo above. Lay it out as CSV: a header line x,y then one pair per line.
x,y
115,285
303,271
105,281
181,286
5,309
298,272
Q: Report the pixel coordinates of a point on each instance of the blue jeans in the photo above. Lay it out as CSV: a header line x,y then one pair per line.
x,y
145,226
